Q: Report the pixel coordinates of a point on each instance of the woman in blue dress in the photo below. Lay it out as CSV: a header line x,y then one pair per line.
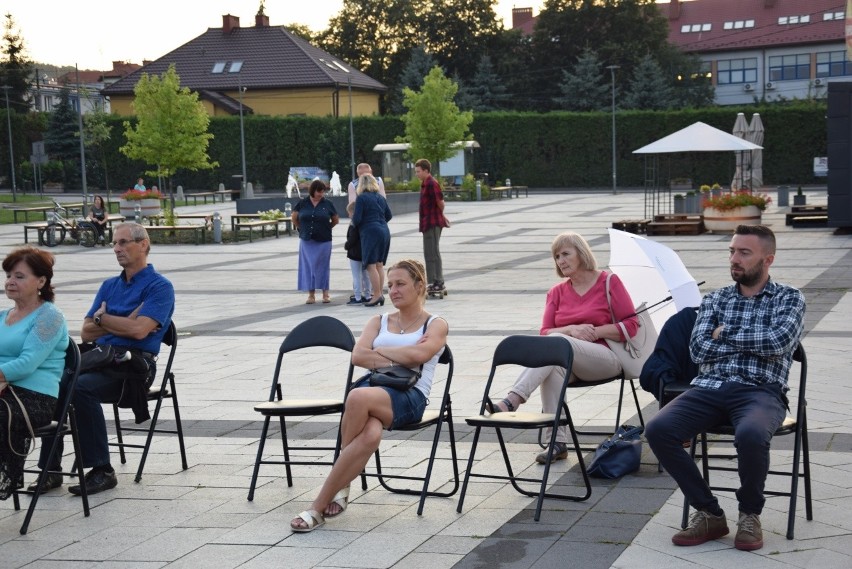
x,y
371,218
314,217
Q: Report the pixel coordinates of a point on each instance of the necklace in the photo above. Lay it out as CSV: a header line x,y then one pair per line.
x,y
402,328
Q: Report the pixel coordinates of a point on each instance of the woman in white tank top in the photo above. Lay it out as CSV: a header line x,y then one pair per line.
x,y
410,337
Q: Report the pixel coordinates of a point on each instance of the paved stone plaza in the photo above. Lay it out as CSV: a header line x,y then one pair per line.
x,y
235,303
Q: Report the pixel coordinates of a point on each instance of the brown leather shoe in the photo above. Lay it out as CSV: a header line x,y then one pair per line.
x,y
703,527
51,481
749,533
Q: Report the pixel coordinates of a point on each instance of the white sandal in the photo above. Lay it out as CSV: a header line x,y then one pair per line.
x,y
312,518
341,499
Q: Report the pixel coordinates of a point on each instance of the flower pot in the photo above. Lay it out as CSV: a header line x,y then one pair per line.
x,y
679,205
728,220
149,207
800,199
692,203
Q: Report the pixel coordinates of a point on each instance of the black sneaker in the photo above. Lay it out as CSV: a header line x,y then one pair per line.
x,y
51,481
97,480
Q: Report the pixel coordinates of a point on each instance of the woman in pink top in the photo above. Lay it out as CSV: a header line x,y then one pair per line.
x,y
577,310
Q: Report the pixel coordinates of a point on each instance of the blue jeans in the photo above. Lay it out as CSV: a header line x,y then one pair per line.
x,y
754,411
93,388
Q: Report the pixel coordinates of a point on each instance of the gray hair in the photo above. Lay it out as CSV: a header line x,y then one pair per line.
x,y
137,231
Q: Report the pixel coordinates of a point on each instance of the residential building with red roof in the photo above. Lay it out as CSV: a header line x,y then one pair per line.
x,y
758,49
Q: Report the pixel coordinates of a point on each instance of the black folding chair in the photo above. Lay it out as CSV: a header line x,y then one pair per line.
x,y
796,426
431,417
64,424
166,390
530,352
320,331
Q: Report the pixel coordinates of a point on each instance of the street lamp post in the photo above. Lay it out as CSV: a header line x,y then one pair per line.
x,y
351,130
11,151
612,69
242,139
82,142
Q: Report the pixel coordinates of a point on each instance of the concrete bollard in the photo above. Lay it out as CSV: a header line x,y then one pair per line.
x,y
217,227
179,195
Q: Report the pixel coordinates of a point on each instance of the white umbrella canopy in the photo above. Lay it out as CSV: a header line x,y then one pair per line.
x,y
697,137
755,134
652,273
743,163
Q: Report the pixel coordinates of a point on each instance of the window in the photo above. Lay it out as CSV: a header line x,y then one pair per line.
x,y
787,67
694,28
219,67
729,71
785,20
832,64
739,24
236,66
833,16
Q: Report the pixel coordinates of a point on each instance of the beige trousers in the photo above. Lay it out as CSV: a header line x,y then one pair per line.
x,y
592,362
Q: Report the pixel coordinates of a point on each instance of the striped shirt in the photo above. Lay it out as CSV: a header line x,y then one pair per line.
x,y
760,334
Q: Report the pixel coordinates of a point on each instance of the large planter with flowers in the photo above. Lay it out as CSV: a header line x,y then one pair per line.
x,y
148,202
724,213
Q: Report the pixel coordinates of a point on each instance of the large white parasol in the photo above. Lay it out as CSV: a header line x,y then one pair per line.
x,y
755,135
652,273
742,175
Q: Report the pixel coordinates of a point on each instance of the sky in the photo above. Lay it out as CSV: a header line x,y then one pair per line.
x,y
94,33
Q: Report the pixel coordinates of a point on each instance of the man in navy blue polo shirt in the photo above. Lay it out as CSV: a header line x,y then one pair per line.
x,y
131,311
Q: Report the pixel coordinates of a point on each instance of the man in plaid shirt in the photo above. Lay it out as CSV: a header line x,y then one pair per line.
x,y
432,222
743,342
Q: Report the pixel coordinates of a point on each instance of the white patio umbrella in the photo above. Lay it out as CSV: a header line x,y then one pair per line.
x,y
755,135
741,176
652,273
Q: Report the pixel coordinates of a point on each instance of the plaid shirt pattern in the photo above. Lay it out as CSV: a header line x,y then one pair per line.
x,y
430,215
756,345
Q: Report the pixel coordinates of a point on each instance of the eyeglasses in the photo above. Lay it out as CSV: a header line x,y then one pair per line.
x,y
123,242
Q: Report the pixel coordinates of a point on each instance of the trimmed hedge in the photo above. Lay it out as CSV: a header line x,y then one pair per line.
x,y
558,149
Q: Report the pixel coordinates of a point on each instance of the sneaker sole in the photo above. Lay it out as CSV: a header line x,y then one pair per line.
x,y
688,542
751,546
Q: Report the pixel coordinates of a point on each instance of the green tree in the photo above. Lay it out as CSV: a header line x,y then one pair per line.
x,y
485,92
692,85
415,71
584,87
433,122
649,88
302,31
62,139
621,32
171,127
15,68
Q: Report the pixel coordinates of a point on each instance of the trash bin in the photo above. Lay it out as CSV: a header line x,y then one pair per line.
x,y
236,184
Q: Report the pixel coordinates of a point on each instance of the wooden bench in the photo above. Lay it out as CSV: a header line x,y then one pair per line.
x,y
457,193
204,196
804,211
40,226
262,224
501,191
227,193
206,217
42,209
199,230
635,226
809,221
517,190
676,224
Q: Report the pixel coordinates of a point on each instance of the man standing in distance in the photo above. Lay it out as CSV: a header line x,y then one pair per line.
x,y
352,188
743,342
131,311
432,221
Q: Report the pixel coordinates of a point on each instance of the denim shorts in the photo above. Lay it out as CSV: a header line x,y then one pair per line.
x,y
408,406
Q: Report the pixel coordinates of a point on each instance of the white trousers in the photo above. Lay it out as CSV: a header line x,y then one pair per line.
x,y
592,362
361,286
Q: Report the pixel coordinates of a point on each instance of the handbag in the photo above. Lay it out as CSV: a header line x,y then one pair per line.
x,y
619,454
635,351
396,376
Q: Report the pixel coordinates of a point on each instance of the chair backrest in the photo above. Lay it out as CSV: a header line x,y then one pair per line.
x,y
69,379
801,357
319,331
534,351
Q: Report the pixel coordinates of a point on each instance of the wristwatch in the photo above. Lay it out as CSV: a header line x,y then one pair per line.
x,y
97,319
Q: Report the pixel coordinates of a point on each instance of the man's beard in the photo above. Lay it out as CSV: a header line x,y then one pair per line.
x,y
748,277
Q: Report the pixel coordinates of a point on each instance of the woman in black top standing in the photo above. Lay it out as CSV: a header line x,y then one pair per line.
x,y
314,217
